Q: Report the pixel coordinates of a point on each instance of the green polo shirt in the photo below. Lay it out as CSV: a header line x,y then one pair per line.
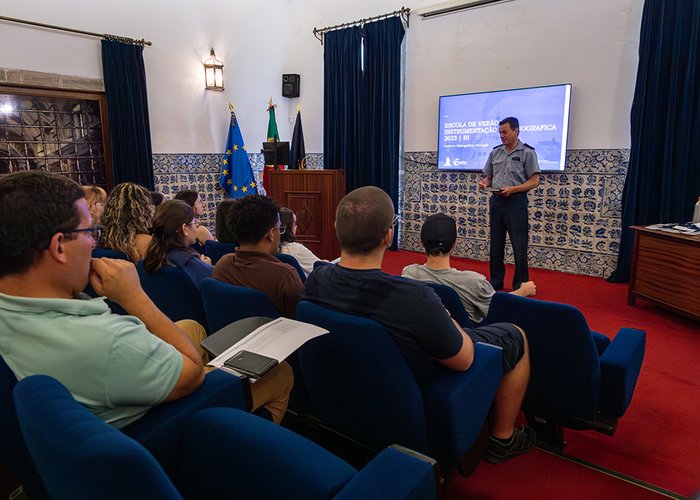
x,y
111,364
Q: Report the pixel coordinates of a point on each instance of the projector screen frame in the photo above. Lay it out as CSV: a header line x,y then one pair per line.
x,y
544,166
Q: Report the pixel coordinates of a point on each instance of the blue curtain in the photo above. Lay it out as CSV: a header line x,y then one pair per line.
x,y
362,113
383,107
663,179
127,102
342,99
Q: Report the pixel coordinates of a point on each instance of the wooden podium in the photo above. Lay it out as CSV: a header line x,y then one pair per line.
x,y
313,195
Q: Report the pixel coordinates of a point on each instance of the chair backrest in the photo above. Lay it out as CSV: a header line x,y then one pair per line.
x,y
225,303
77,454
172,291
99,252
453,303
257,450
215,250
565,366
13,450
292,261
359,382
321,263
265,460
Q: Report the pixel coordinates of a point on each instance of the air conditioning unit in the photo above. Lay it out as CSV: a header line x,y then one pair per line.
x,y
450,7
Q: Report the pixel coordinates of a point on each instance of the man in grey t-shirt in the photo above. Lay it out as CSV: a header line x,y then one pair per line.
x,y
511,171
439,237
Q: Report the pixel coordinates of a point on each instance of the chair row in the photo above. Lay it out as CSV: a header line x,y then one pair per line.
x,y
225,453
159,431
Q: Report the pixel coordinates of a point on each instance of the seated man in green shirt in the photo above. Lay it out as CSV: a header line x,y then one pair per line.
x,y
117,366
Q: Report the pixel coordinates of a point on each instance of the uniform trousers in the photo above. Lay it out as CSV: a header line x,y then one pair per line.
x,y
508,215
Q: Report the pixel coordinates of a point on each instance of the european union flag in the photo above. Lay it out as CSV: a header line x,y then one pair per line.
x,y
236,173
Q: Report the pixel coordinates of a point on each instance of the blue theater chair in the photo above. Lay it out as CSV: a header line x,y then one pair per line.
x,y
267,461
99,252
360,384
452,303
225,303
13,451
579,378
173,293
226,454
292,261
215,250
160,430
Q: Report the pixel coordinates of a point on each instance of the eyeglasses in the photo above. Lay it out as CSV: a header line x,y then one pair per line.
x,y
394,220
95,232
281,228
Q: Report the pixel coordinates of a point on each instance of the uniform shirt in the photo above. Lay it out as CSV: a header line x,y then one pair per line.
x,y
264,272
111,364
511,169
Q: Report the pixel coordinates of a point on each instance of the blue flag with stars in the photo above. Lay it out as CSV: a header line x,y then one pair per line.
x,y
236,173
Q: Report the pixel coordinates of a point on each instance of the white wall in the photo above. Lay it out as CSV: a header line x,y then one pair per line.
x,y
592,44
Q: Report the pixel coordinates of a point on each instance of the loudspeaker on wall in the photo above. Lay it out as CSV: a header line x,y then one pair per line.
x,y
290,85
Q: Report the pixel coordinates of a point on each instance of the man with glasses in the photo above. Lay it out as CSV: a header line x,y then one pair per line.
x,y
415,316
117,366
254,221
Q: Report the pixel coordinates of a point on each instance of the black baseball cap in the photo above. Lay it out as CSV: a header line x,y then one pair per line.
x,y
438,234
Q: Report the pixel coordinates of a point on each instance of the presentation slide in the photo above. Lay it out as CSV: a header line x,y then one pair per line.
x,y
468,125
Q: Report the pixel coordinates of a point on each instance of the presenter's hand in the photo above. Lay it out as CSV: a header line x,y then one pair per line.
x,y
115,279
484,183
507,191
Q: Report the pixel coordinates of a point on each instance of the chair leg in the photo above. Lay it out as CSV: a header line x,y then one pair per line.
x,y
468,463
550,435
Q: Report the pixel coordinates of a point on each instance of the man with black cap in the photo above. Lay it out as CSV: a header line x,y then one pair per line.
x,y
439,238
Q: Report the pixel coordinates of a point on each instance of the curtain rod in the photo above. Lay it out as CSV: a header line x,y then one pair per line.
x,y
106,36
404,12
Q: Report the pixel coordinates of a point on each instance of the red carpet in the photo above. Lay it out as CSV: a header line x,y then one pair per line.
x,y
658,439
539,475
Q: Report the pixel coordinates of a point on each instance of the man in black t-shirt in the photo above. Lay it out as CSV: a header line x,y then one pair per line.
x,y
415,316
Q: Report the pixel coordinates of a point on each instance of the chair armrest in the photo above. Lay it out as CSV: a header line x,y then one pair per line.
x,y
396,473
457,404
620,365
161,429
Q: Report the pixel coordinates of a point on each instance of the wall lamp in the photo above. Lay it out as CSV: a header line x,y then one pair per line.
x,y
213,72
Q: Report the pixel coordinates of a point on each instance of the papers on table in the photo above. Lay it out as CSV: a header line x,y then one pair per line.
x,y
688,228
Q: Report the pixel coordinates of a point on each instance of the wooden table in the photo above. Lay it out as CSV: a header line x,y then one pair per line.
x,y
666,270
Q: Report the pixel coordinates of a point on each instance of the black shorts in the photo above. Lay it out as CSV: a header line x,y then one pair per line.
x,y
504,335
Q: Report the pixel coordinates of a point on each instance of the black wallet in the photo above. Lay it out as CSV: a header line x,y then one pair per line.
x,y
251,364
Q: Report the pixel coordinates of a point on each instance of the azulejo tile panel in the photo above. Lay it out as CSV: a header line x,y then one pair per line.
x,y
201,172
574,215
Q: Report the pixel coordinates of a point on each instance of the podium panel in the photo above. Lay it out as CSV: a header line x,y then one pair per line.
x,y
313,195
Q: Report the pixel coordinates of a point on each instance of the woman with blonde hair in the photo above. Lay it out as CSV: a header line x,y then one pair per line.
x,y
173,234
96,197
127,220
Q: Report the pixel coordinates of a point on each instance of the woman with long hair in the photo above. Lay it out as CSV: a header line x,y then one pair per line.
x,y
290,245
193,199
96,198
173,234
127,220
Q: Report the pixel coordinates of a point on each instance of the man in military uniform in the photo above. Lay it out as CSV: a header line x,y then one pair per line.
x,y
511,171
